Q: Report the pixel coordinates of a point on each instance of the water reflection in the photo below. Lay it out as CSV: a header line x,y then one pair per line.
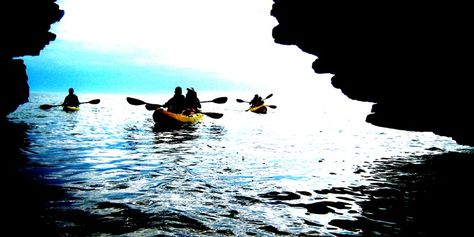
x,y
216,130
118,219
425,198
23,195
175,135
413,196
91,173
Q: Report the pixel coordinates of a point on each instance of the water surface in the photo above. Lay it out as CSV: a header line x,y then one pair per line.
x,y
106,170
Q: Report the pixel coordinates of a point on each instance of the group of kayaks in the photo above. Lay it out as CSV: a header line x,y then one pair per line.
x,y
165,118
162,117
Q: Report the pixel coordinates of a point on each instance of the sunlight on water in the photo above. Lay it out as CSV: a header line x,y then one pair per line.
x,y
296,170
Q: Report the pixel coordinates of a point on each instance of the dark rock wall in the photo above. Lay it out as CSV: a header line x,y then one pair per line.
x,y
24,30
413,61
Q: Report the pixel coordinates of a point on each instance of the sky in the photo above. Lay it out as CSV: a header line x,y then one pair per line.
x,y
147,46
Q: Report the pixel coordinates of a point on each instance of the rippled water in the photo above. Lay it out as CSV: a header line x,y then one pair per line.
x,y
105,170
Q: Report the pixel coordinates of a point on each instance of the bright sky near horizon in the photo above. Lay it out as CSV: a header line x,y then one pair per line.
x,y
143,46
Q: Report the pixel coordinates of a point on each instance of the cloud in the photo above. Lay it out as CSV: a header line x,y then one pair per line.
x,y
231,39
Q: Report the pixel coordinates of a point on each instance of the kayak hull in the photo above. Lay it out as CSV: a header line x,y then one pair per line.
x,y
166,118
70,108
261,109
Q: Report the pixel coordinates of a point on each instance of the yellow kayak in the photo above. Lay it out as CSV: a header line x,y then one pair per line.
x,y
261,109
165,118
70,108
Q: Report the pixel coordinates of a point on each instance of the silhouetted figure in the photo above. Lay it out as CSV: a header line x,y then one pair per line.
x,y
71,99
256,101
177,102
192,102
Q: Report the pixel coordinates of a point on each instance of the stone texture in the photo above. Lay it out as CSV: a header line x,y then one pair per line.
x,y
24,30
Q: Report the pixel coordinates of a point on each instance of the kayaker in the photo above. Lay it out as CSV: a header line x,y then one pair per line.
x,y
192,102
256,101
71,99
176,103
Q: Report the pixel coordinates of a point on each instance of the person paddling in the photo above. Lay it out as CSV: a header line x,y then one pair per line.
x,y
71,99
176,103
192,102
256,101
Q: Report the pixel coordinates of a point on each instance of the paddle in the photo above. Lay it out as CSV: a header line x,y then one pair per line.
x,y
213,115
152,106
271,106
220,100
94,102
268,96
148,106
48,106
241,101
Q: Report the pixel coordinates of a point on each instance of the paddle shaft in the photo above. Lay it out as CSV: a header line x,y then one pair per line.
x,y
241,101
48,106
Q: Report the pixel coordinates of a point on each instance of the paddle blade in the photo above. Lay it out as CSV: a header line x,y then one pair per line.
x,y
96,101
134,101
213,115
220,100
268,96
46,106
152,106
272,106
241,101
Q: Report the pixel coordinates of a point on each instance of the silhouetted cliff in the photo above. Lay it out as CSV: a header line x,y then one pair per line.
x,y
24,30
413,61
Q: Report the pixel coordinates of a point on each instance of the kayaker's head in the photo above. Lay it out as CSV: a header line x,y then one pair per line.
x,y
71,91
178,90
191,92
